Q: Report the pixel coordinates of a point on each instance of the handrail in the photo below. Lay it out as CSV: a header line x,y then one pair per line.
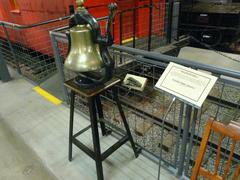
x,y
18,26
157,57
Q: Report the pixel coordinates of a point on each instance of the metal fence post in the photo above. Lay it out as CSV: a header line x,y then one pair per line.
x,y
134,27
121,31
184,140
176,154
59,65
191,142
175,20
121,28
150,25
169,25
4,73
11,48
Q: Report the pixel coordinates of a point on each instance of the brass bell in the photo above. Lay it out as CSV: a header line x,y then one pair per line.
x,y
84,55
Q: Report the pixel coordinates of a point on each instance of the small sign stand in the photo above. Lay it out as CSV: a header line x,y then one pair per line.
x,y
189,86
162,133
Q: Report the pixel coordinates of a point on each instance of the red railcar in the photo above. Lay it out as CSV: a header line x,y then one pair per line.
x,y
26,12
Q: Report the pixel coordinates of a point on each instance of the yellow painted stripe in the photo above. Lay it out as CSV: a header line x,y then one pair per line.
x,y
47,95
128,40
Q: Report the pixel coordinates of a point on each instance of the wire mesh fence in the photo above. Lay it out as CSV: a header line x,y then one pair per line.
x,y
142,27
145,111
29,49
6,48
223,105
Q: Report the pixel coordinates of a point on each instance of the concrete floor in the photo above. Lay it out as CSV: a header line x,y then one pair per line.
x,y
43,128
17,160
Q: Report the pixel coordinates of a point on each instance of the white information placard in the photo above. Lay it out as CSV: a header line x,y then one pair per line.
x,y
189,85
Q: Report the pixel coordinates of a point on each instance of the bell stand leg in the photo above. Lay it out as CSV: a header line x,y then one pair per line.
x,y
105,131
72,101
116,99
95,137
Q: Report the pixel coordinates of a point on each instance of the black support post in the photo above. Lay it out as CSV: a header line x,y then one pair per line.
x,y
121,28
100,114
134,27
95,136
150,25
96,115
115,96
72,101
169,25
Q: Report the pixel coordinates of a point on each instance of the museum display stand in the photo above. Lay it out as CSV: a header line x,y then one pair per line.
x,y
96,116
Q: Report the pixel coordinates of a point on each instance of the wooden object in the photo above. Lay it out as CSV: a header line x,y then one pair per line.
x,y
232,131
237,173
93,91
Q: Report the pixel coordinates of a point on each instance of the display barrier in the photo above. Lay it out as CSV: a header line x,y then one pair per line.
x,y
27,48
145,110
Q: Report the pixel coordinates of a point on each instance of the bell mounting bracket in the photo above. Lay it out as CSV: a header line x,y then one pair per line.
x,y
82,17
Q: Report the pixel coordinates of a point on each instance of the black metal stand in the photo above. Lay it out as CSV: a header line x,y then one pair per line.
x,y
96,115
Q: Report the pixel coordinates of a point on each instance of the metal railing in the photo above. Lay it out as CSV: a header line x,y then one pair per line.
x,y
28,49
146,26
184,125
33,55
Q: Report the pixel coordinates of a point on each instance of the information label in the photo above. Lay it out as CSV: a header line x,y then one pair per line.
x,y
189,85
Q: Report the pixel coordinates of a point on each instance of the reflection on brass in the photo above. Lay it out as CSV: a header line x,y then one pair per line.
x,y
79,4
84,55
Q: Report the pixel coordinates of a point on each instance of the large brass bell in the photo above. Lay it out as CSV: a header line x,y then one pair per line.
x,y
88,49
84,55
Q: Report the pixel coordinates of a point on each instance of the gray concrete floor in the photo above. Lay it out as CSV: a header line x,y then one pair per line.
x,y
43,128
17,160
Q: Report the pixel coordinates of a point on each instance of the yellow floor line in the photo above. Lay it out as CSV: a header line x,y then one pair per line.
x,y
128,40
47,95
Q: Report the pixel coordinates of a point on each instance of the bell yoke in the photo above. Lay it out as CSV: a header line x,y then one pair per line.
x,y
88,54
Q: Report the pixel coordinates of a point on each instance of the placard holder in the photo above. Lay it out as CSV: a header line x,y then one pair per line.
x,y
162,133
186,128
191,87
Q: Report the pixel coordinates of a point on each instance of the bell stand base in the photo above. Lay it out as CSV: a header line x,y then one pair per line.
x,y
97,116
84,82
